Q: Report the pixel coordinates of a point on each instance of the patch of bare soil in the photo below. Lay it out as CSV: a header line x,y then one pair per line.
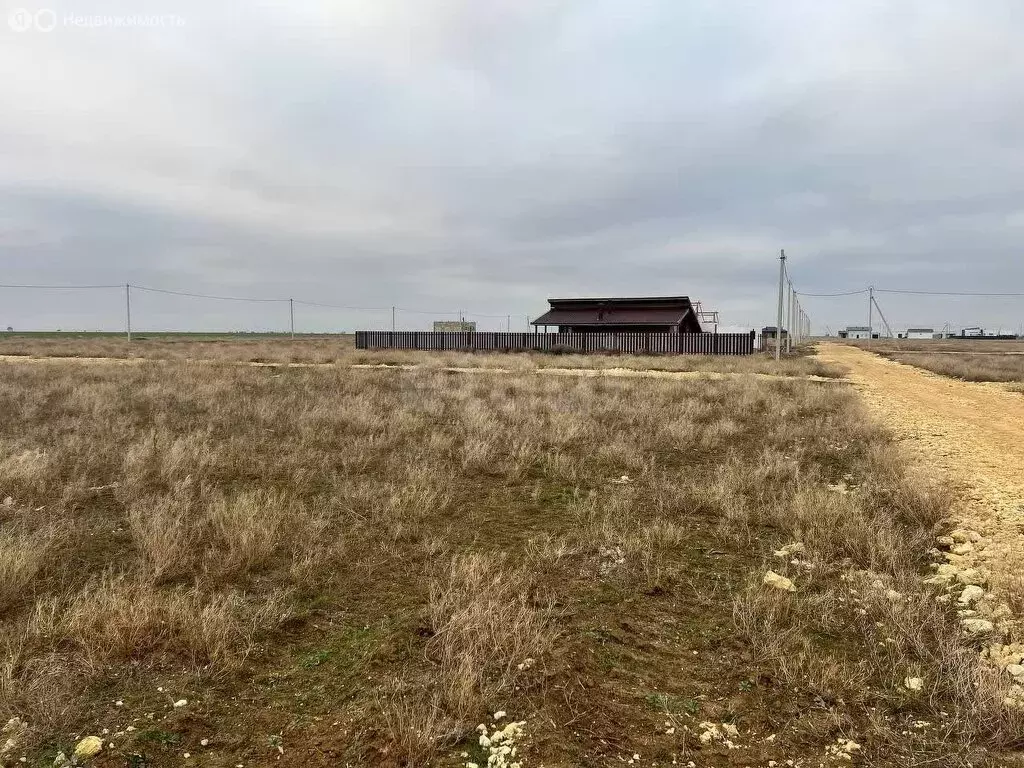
x,y
969,431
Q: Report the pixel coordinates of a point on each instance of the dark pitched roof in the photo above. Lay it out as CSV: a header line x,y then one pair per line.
x,y
659,310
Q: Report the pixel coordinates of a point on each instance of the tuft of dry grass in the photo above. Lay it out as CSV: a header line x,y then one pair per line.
x,y
121,618
485,625
23,554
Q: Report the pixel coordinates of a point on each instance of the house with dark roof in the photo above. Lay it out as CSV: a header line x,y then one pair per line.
x,y
664,314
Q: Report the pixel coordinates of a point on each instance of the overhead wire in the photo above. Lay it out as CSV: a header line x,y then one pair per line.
x,y
831,295
62,287
943,293
204,295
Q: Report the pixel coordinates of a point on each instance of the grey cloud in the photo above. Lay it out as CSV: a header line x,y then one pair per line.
x,y
450,155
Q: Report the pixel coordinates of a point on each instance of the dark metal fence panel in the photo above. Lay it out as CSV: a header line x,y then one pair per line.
x,y
631,342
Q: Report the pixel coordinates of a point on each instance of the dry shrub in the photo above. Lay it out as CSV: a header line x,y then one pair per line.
x,y
890,626
167,535
315,548
425,492
24,471
234,534
862,620
1013,589
161,460
915,634
38,686
485,624
417,721
120,618
768,620
246,529
23,553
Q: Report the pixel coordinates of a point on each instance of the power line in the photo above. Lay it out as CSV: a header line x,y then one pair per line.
x,y
202,295
339,306
432,312
829,295
62,287
909,292
944,293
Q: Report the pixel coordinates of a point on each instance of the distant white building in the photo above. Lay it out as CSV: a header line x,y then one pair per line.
x,y
920,333
855,332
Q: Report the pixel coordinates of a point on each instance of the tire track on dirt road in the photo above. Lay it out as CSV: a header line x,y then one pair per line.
x,y
972,433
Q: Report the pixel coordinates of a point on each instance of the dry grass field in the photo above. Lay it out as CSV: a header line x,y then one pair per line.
x,y
1001,361
340,350
990,347
966,366
331,567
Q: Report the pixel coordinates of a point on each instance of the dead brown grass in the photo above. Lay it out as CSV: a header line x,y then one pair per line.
x,y
485,625
340,350
965,346
23,554
375,560
968,367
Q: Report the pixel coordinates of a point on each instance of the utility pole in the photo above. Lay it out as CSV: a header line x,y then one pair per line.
x,y
778,322
128,309
789,316
392,319
795,331
871,311
291,316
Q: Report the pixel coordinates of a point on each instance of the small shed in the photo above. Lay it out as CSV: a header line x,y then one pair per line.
x,y
920,333
770,332
661,314
855,332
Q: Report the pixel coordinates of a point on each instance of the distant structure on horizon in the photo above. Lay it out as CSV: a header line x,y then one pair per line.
x,y
460,326
662,314
918,333
856,332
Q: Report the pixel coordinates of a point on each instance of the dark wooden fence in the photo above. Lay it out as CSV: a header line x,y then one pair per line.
x,y
634,343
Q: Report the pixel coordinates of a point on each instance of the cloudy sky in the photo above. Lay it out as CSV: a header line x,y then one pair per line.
x,y
446,155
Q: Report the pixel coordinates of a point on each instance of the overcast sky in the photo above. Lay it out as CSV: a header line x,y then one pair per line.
x,y
460,154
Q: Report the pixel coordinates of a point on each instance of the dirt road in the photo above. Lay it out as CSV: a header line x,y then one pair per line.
x,y
974,433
